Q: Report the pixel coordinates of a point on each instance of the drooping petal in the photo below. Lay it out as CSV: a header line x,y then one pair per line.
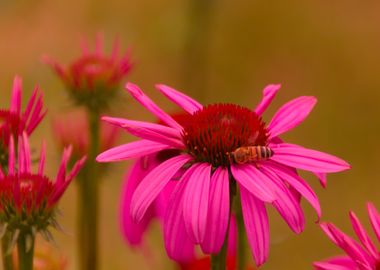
x,y
290,115
349,245
218,213
363,236
269,93
132,231
256,224
254,181
196,202
16,95
177,244
144,100
153,184
374,218
336,263
131,150
308,159
296,182
286,205
185,102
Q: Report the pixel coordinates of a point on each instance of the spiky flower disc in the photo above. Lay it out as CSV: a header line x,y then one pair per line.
x,y
28,199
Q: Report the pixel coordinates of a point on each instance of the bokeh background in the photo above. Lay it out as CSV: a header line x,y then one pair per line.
x,y
218,51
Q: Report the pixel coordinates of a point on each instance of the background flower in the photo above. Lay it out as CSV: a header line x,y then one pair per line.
x,y
363,255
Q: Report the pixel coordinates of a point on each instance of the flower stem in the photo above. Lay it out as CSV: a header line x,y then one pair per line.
x,y
241,254
89,201
25,248
5,252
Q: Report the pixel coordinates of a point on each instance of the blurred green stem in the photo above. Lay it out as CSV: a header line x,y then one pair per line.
x,y
25,249
6,253
196,47
241,254
218,261
89,201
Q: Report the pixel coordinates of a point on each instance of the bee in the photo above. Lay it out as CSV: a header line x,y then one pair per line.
x,y
247,154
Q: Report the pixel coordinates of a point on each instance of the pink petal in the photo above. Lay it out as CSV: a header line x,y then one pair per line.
x,y
290,115
16,95
144,100
254,181
131,150
256,224
322,178
76,168
308,159
12,157
363,236
269,93
177,243
218,213
287,206
185,102
164,130
132,231
196,202
61,175
374,219
156,136
153,184
296,182
41,164
338,263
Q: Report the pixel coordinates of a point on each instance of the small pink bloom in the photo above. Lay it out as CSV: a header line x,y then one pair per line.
x,y
93,77
14,121
362,255
72,128
206,142
29,197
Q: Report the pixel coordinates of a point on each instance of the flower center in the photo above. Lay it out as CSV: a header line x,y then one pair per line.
x,y
214,132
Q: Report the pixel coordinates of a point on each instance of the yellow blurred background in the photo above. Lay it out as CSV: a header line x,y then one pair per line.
x,y
218,51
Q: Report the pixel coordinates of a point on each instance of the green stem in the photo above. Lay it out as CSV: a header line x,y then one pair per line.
x,y
5,252
89,201
25,248
241,254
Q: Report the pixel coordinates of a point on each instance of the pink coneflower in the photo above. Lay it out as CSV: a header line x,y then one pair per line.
x,y
93,77
13,121
29,199
73,129
207,141
360,256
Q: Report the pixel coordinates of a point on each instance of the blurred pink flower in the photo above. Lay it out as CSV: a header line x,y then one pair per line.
x,y
13,121
72,128
30,197
360,256
199,207
93,77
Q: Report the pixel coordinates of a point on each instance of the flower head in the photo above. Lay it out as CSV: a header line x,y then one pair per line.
x,y
73,129
93,78
28,199
14,121
221,147
362,255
